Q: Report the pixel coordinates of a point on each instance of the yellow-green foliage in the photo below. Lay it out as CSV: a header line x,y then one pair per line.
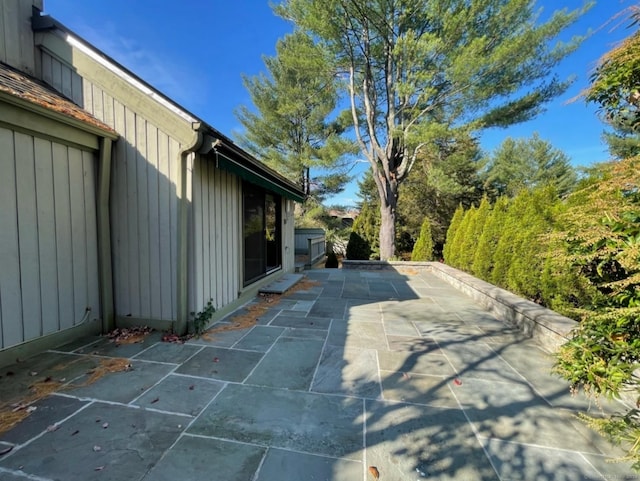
x,y
423,248
483,258
454,231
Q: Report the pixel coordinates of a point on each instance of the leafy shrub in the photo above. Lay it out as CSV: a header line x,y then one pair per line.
x,y
423,248
332,260
358,248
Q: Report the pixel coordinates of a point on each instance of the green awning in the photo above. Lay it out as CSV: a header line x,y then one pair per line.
x,y
245,172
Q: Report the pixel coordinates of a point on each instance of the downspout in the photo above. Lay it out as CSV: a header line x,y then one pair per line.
x,y
184,198
104,236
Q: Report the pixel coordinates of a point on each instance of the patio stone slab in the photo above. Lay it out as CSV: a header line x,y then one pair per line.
x,y
201,458
412,344
480,361
330,307
299,320
417,389
415,362
219,338
130,384
400,328
17,379
260,338
180,394
168,352
282,465
408,442
363,335
513,412
306,422
303,333
289,364
49,411
222,364
111,348
81,449
348,371
515,461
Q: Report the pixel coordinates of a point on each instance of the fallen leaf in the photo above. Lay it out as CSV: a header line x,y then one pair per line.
x,y
98,468
5,450
52,428
374,472
215,359
75,432
33,373
155,400
30,409
47,379
105,425
192,387
96,448
457,382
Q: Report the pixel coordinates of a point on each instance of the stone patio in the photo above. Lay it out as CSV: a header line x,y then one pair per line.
x,y
363,368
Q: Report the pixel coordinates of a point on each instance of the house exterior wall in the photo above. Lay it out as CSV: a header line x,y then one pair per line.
x,y
288,235
48,240
217,236
145,176
16,38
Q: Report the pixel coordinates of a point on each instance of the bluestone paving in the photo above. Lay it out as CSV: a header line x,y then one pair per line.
x,y
350,372
281,464
260,338
365,368
221,364
289,364
180,394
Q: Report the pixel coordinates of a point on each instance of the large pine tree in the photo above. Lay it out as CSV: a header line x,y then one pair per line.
x,y
415,68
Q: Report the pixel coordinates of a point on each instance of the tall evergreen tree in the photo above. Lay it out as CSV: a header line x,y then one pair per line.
x,y
415,68
289,128
526,164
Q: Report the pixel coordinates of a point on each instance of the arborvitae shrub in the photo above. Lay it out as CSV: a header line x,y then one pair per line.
x,y
483,259
453,231
462,241
423,248
358,248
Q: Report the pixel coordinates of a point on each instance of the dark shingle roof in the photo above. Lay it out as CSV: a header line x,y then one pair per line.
x,y
28,88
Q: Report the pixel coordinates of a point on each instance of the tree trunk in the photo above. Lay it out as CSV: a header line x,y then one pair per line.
x,y
387,228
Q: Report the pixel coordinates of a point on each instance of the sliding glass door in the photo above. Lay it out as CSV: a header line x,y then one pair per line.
x,y
261,232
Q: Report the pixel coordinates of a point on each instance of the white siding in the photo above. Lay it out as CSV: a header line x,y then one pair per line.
x,y
216,243
48,240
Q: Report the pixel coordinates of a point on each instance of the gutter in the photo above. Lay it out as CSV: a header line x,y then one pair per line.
x,y
184,199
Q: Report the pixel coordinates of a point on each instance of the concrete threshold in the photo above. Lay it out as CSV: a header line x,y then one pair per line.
x,y
282,285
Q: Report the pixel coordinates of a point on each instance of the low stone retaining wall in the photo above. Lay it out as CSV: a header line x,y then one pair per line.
x,y
549,328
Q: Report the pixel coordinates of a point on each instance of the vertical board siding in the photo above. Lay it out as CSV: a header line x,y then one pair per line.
x,y
16,37
10,296
48,240
143,202
216,210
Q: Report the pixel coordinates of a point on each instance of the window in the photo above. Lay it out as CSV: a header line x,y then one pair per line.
x,y
261,232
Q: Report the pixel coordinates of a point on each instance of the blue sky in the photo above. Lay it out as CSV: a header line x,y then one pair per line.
x,y
195,51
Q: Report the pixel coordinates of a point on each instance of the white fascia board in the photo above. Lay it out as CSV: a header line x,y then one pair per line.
x,y
74,42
